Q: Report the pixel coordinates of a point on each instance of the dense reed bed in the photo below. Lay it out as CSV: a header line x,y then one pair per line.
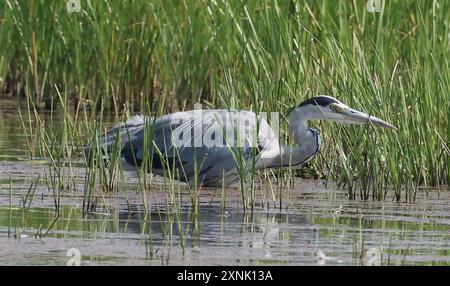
x,y
155,57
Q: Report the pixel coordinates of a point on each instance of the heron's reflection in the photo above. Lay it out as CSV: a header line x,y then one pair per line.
x,y
213,226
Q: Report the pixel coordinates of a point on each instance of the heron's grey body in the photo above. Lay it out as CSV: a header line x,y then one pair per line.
x,y
209,147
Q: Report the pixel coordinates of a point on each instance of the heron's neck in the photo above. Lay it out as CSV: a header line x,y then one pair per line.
x,y
308,143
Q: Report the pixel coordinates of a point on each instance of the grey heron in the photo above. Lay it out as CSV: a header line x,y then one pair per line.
x,y
206,146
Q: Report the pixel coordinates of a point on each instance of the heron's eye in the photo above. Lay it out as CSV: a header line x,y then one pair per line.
x,y
333,107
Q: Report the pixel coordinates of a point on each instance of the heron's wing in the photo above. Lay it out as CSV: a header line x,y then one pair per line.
x,y
153,143
209,147
117,137
178,140
224,141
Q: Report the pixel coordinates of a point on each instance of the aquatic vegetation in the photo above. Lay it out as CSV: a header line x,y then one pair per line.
x,y
258,55
72,75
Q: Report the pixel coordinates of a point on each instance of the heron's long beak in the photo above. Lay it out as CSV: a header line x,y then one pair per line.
x,y
352,116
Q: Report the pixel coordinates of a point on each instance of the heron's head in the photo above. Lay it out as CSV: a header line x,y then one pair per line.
x,y
328,108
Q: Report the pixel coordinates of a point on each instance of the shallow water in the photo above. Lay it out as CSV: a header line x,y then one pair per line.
x,y
317,225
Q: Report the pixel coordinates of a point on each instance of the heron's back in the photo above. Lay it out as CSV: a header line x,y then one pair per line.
x,y
210,145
